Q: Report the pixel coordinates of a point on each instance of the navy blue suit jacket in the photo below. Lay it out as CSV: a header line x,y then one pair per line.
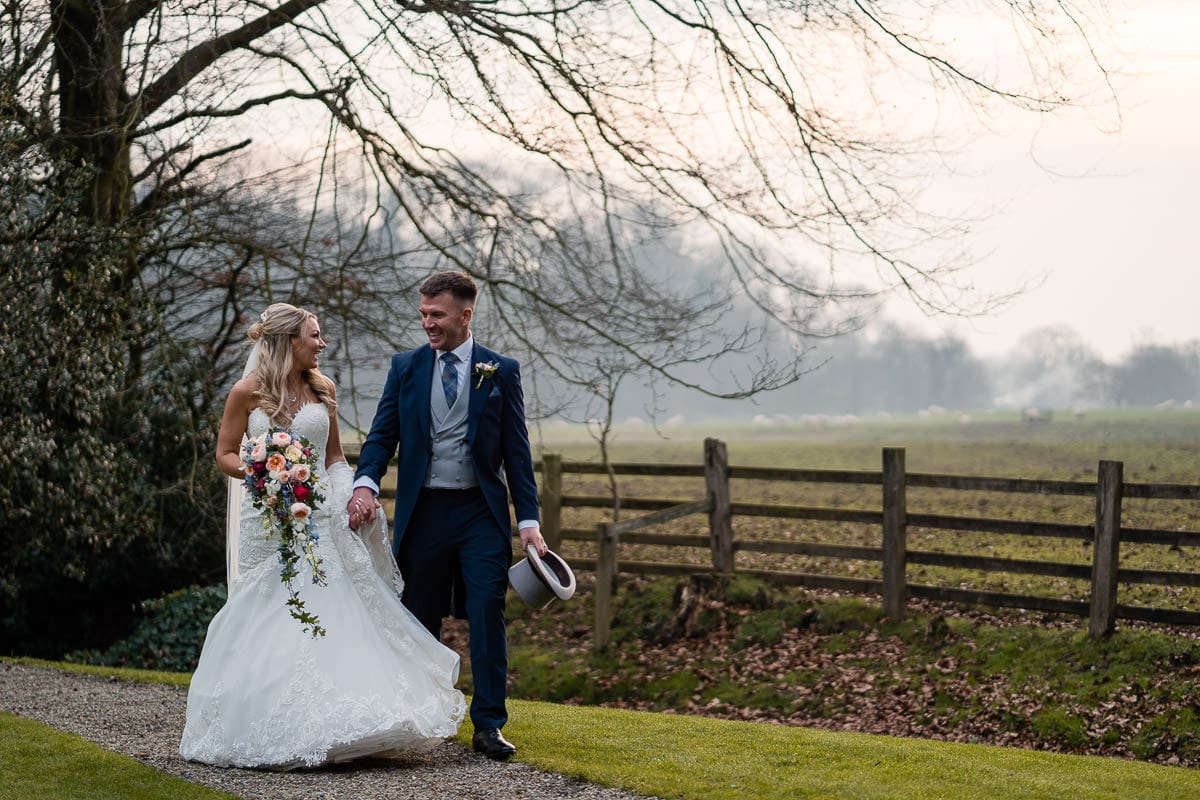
x,y
496,434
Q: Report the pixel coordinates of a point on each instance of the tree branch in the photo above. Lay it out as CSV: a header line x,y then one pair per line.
x,y
200,57
159,197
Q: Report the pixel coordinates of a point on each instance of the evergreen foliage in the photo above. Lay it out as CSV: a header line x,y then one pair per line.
x,y
104,496
169,635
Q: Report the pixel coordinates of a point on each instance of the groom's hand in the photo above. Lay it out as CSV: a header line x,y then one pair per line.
x,y
533,536
361,507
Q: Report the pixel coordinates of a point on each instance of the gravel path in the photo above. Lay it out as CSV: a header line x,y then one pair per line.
x,y
145,721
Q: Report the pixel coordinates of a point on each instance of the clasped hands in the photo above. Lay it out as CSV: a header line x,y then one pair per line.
x,y
363,507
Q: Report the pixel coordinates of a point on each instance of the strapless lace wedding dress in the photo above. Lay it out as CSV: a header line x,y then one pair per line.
x,y
267,694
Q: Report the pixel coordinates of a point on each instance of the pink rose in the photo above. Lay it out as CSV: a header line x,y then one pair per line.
x,y
259,453
300,511
281,438
301,472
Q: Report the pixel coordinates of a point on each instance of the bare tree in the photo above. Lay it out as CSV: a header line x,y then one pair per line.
x,y
214,155
534,143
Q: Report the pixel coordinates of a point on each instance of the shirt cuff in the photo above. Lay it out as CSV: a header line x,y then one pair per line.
x,y
367,482
527,523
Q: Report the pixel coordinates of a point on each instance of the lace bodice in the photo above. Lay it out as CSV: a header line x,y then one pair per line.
x,y
311,422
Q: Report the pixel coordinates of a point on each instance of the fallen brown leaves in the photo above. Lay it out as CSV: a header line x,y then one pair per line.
x,y
862,681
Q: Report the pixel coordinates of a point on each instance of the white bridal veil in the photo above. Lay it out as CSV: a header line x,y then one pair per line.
x,y
236,491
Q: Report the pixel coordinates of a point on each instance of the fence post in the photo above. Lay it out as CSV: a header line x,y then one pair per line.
x,y
1106,551
551,500
720,514
895,589
606,573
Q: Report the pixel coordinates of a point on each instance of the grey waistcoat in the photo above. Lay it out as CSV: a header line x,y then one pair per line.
x,y
451,466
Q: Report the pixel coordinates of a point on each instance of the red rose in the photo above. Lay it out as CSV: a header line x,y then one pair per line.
x,y
301,492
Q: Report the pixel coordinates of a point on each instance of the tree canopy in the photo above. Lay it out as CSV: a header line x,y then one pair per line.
x,y
537,143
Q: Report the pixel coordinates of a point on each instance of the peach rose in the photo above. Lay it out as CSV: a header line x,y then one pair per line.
x,y
276,463
300,511
259,453
301,473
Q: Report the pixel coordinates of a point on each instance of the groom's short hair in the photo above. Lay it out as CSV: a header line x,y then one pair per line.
x,y
458,284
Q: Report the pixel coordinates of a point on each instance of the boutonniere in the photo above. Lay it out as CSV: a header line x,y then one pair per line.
x,y
485,370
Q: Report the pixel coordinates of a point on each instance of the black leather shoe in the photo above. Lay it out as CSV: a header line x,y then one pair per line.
x,y
490,743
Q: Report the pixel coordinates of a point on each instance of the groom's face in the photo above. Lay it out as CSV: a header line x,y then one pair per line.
x,y
447,321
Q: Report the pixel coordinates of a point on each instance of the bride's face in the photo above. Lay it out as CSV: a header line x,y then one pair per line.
x,y
307,347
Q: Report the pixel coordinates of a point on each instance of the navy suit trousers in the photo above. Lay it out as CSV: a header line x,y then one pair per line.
x,y
452,533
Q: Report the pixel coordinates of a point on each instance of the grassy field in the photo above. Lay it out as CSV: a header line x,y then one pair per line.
x,y
1154,446
1035,683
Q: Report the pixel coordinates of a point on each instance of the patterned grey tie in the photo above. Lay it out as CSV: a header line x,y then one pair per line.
x,y
450,378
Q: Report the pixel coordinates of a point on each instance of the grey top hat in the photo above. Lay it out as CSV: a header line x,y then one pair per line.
x,y
540,579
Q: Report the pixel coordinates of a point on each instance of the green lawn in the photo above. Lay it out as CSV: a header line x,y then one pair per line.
x,y
665,755
38,762
704,759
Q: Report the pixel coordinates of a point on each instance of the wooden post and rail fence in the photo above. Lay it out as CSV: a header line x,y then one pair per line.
x,y
893,520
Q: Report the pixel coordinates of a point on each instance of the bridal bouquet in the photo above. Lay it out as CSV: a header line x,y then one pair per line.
x,y
281,478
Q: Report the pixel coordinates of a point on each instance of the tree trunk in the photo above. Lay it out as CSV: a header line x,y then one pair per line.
x,y
94,106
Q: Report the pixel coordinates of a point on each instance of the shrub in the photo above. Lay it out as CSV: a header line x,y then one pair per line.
x,y
169,635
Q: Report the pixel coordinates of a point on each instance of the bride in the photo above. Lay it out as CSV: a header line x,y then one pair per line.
x,y
268,691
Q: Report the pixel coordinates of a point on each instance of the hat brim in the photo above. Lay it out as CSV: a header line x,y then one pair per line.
x,y
539,579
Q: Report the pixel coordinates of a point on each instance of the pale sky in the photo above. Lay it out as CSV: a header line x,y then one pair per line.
x,y
1116,250
1103,230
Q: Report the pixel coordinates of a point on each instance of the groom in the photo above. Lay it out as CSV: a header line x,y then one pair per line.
x,y
456,413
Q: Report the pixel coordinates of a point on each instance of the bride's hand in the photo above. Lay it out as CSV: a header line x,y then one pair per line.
x,y
361,507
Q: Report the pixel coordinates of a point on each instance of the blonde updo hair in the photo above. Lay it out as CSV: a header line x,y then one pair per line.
x,y
281,322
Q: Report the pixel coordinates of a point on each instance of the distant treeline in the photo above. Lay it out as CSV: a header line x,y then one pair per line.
x,y
894,371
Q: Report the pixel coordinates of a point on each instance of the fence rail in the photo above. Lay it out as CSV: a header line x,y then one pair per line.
x,y
893,520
